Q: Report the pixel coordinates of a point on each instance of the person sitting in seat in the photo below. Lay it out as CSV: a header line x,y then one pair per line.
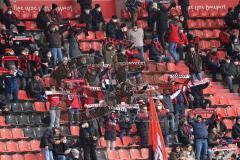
x,y
36,88
10,18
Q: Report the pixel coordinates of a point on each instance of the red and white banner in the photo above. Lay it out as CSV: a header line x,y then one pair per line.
x,y
155,134
213,4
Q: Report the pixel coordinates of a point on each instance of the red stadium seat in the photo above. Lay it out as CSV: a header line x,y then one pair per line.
x,y
142,24
171,67
11,146
200,23
205,45
231,112
17,133
30,25
81,36
124,154
127,141
221,112
100,35
90,36
145,153
118,142
207,33
6,133
216,33
125,14
198,33
97,46
102,142
2,121
193,13
24,146
191,23
74,130
210,23
2,147
22,95
17,157
29,156
25,15
213,13
68,14
135,154
222,12
6,157
228,123
224,100
214,43
34,14
40,156
203,13
35,145
220,23
85,46
143,13
113,155
40,107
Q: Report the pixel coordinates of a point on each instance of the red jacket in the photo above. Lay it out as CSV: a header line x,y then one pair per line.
x,y
174,34
54,100
75,102
183,39
224,38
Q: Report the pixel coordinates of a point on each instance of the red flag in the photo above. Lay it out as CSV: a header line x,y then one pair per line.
x,y
155,134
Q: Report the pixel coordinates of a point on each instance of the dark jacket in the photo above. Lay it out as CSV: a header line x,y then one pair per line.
x,y
42,19
59,149
183,2
97,17
184,133
236,130
194,62
229,19
132,5
174,156
74,49
36,88
86,19
223,127
197,93
124,121
47,139
142,127
55,38
86,134
85,3
200,130
56,17
7,2
111,30
228,69
236,11
155,51
212,139
10,19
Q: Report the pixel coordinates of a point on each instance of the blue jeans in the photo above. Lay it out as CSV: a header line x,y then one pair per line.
x,y
195,76
122,130
71,113
229,82
48,154
61,157
141,50
57,55
173,51
180,51
55,113
201,149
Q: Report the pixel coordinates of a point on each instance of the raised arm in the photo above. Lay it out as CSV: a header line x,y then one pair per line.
x,y
174,95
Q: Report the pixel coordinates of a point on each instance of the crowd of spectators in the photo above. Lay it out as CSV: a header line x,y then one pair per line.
x,y
50,54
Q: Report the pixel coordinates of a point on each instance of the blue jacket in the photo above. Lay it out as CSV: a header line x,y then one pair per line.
x,y
11,82
200,130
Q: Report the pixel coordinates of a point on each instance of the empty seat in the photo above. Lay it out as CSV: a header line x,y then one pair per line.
x,y
40,156
200,23
221,112
202,13
25,15
2,147
210,23
6,133
2,121
85,46
100,35
22,95
29,156
125,14
220,23
191,23
16,107
40,106
228,123
28,107
127,141
35,145
142,24
23,120
97,46
11,146
113,155
123,154
74,130
135,154
205,44
102,142
17,133
81,36
10,119
29,132
213,13
221,55
24,146
39,131
231,112
216,33
101,155
198,33
207,33
214,43
145,153
193,13
17,157
6,157
90,35
35,119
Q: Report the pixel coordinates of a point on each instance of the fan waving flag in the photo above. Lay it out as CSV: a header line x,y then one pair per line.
x,y
156,140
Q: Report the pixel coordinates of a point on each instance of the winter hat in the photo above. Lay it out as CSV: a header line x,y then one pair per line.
x,y
54,6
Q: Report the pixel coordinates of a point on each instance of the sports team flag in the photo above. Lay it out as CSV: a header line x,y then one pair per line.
x,y
156,140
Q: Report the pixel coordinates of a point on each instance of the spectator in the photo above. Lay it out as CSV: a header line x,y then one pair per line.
x,y
47,142
55,42
237,10
98,19
224,37
213,62
234,50
122,33
55,109
152,15
25,60
11,84
74,107
156,52
236,129
74,49
132,6
162,23
230,19
213,138
176,153
36,63
47,63
173,39
10,18
200,133
110,131
136,35
124,123
60,147
55,16
108,53
163,120
194,62
36,88
184,7
92,76
142,126
182,43
188,153
185,133
8,4
43,20
88,138
84,4
112,28
87,18
228,71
